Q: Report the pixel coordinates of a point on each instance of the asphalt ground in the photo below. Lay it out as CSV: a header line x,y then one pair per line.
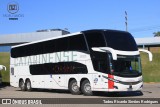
x,y
149,91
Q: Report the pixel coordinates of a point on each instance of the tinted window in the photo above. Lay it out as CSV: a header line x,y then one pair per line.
x,y
48,47
58,68
77,43
120,41
95,39
100,62
99,59
61,44
33,49
71,43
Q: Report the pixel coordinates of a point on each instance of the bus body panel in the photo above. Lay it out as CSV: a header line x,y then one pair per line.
x,y
55,69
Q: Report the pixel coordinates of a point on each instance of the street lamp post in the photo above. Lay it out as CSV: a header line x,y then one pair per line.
x,y
126,20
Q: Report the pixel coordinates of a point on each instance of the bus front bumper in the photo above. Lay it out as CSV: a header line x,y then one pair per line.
x,y
119,87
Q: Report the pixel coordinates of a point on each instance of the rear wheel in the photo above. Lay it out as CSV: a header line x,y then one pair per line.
x,y
28,85
22,85
86,88
74,88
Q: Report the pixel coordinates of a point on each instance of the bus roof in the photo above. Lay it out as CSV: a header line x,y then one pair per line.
x,y
108,30
67,35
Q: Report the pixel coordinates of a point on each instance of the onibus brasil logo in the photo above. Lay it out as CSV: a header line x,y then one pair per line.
x,y
13,11
13,7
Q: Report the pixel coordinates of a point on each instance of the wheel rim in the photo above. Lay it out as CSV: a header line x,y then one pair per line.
x,y
87,88
28,85
22,85
75,88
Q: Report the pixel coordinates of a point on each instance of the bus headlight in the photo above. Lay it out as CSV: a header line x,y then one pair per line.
x,y
111,79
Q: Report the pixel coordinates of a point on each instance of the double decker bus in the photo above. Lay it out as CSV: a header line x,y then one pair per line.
x,y
83,62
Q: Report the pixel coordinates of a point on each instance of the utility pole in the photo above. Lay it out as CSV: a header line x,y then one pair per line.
x,y
126,20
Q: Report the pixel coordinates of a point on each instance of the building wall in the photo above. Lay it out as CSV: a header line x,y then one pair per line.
x,y
14,39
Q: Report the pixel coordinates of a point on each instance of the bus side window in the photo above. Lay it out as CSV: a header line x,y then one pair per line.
x,y
77,43
100,60
95,39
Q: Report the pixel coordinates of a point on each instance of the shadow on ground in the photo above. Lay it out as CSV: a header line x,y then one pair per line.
x,y
100,94
119,94
4,84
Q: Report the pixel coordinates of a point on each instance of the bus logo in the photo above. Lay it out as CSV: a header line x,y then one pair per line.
x,y
13,7
6,101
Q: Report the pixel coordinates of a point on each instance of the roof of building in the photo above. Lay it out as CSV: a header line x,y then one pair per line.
x,y
14,39
149,41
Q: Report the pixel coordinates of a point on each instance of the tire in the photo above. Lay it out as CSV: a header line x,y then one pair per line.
x,y
22,85
73,87
86,88
28,85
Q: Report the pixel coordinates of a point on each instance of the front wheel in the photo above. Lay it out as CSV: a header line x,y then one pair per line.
x,y
86,88
73,87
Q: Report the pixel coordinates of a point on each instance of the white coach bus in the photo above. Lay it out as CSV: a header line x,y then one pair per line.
x,y
88,61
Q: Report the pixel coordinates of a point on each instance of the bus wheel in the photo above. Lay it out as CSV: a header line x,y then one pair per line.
x,y
28,85
73,87
86,88
22,85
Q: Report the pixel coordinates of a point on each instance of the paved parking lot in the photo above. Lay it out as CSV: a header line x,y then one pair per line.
x,y
149,91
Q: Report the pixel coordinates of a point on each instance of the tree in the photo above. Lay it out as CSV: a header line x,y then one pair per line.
x,y
157,34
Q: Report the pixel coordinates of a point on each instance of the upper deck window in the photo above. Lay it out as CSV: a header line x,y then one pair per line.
x,y
95,39
120,41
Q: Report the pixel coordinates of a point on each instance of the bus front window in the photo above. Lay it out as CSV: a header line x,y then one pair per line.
x,y
127,66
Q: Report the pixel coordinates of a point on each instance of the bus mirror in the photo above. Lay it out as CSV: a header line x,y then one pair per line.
x,y
2,66
149,53
104,49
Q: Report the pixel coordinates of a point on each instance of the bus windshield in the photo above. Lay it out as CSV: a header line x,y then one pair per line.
x,y
120,41
127,66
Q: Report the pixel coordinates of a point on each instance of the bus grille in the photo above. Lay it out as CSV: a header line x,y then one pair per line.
x,y
129,83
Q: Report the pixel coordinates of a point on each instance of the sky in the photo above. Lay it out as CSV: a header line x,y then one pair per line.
x,y
79,15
